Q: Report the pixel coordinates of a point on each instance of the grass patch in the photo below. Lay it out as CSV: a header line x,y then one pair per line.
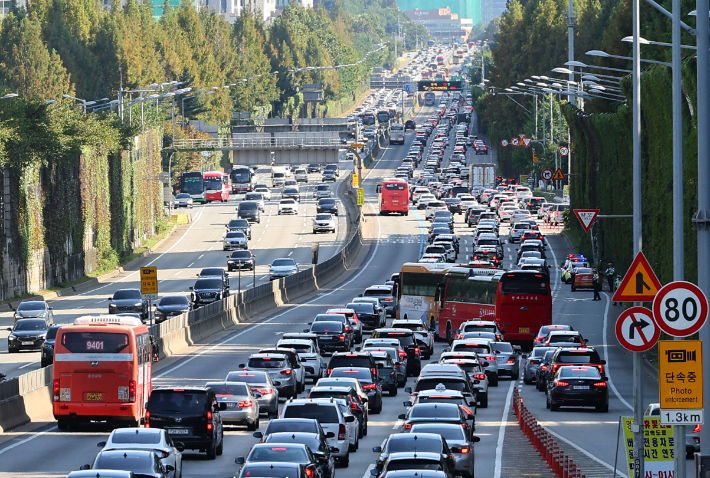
x,y
109,262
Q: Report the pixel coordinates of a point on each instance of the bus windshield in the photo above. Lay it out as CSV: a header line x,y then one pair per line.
x,y
524,284
213,183
192,183
240,175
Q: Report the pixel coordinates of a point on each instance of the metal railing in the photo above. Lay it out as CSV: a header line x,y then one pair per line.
x,y
259,143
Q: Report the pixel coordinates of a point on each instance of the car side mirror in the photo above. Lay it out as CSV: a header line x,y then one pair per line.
x,y
475,439
402,416
169,468
258,435
306,330
239,460
192,288
85,467
603,362
101,444
586,341
109,299
407,389
242,365
359,295
350,418
9,329
329,435
373,472
485,364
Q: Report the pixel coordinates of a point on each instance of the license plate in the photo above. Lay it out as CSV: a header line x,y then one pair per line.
x,y
395,203
523,330
580,387
94,397
231,404
178,431
28,343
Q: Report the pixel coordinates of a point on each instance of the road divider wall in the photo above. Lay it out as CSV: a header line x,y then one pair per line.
x,y
27,397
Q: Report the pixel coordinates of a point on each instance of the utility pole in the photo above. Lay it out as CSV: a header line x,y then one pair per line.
x,y
570,44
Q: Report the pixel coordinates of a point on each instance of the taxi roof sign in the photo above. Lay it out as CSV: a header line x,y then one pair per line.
x,y
640,283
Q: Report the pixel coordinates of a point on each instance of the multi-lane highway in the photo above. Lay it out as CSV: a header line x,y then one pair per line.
x,y
39,449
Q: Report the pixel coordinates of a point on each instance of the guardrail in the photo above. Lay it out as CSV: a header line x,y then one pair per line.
x,y
27,397
326,142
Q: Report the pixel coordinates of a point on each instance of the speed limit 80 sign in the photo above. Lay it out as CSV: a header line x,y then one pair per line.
x,y
680,308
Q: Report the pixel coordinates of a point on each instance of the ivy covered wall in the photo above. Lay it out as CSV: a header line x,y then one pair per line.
x,y
79,197
602,154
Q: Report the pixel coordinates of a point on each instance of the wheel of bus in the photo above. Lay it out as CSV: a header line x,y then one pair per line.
x,y
63,423
406,213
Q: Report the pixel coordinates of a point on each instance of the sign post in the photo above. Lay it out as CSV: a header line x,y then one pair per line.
x,y
149,287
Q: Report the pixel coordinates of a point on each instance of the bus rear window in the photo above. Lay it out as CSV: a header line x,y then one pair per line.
x,y
524,284
95,342
395,186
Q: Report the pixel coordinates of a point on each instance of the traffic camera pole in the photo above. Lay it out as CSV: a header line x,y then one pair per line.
x,y
637,427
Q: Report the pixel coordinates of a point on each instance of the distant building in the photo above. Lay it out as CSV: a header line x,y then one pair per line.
x,y
464,8
281,4
492,8
230,9
441,23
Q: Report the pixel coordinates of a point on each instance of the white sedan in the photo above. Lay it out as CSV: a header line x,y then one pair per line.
x,y
265,191
288,206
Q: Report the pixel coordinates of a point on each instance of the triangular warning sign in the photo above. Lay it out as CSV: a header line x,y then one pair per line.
x,y
586,217
559,175
526,141
640,283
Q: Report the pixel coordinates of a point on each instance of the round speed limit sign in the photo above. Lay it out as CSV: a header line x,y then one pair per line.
x,y
680,308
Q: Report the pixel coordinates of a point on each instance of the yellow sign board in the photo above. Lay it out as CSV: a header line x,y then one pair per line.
x,y
360,196
536,158
523,178
357,145
658,442
559,175
149,280
680,370
356,180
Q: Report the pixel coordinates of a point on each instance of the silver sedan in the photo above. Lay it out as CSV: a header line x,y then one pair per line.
x,y
460,444
241,402
507,358
261,383
150,439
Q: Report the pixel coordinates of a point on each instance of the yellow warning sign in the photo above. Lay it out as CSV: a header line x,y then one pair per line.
x,y
559,175
149,280
356,180
360,196
680,375
536,158
658,446
640,283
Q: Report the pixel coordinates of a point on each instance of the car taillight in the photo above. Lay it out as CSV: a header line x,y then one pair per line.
x,y
544,367
132,391
209,421
408,426
465,450
309,472
286,372
480,376
561,383
246,403
342,337
490,358
468,412
147,420
341,432
369,386
264,391
511,360
347,328
55,389
329,371
416,350
373,371
600,384
555,367
697,428
402,353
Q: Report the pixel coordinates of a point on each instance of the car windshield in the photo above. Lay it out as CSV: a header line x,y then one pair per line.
x,y
183,196
283,263
124,461
253,197
479,328
323,217
565,339
212,271
450,433
266,362
334,327
174,300
278,452
580,372
134,436
236,234
241,255
202,284
30,324
225,389
361,307
291,426
322,187
238,223
473,347
324,413
33,305
327,202
127,294
545,329
502,347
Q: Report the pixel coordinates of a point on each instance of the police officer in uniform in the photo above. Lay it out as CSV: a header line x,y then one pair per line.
x,y
610,272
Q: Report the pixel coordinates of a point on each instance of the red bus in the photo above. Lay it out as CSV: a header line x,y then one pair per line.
x,y
519,301
394,197
217,186
440,60
102,371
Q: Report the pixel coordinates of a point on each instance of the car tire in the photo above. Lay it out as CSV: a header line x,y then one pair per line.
x,y
527,381
393,391
345,461
483,401
554,407
547,401
220,448
494,380
254,425
603,408
353,447
212,452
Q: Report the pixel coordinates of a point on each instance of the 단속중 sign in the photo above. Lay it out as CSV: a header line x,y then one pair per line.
x,y
680,378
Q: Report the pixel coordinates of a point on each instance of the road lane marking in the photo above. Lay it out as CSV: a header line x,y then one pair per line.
x,y
190,264
606,351
22,442
27,365
200,256
178,272
367,472
290,253
501,431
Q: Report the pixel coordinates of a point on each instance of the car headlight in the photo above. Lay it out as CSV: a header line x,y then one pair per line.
x,y
17,316
138,304
11,337
42,314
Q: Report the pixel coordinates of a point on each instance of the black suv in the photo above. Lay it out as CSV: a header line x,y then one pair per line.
x,y
409,344
128,300
353,359
367,314
331,336
48,346
332,167
410,124
327,205
574,356
208,290
241,260
190,415
242,225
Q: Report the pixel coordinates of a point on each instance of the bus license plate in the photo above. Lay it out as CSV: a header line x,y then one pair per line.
x,y
178,431
523,330
94,397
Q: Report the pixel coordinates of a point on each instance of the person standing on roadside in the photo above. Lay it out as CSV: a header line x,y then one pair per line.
x,y
610,272
597,284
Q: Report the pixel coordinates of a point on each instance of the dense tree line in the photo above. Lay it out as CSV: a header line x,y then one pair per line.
x,y
79,48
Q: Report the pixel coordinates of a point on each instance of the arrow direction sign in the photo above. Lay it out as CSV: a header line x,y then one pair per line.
x,y
586,217
526,141
515,142
636,330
